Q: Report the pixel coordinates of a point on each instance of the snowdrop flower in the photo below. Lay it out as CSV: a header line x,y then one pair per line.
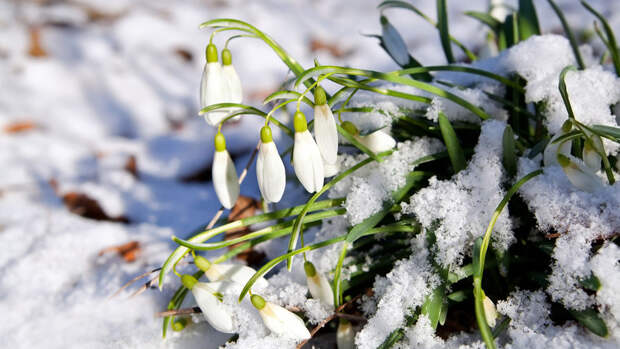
x,y
234,272
590,156
345,335
394,43
490,313
269,168
499,10
307,160
377,141
579,174
279,320
330,170
318,285
214,311
325,130
213,88
553,149
224,174
231,78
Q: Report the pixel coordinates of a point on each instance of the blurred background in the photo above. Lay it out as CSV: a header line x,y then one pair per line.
x,y
103,156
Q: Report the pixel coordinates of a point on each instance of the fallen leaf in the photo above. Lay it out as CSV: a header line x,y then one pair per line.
x,y
19,126
185,54
128,251
131,166
35,49
82,205
335,50
244,207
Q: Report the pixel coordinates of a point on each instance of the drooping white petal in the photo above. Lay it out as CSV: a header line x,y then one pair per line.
x,y
499,10
283,323
581,176
394,43
330,170
225,179
320,288
490,314
233,82
308,163
225,287
591,158
550,156
326,133
238,273
377,141
213,90
345,335
270,172
214,311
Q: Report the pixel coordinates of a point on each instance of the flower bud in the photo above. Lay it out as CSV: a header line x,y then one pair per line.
x,y
213,88
553,149
345,335
270,171
490,314
590,154
224,174
318,285
231,78
325,130
377,141
499,10
579,174
213,310
308,162
279,320
238,273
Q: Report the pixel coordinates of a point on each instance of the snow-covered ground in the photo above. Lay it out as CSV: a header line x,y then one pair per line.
x,y
97,84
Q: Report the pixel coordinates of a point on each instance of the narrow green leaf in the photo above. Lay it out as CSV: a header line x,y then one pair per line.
x,y
611,43
457,296
609,132
434,305
286,94
486,19
564,92
455,151
591,283
509,156
511,29
528,19
444,32
569,33
591,320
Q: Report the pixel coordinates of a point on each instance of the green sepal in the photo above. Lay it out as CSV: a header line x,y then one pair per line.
x,y
299,122
226,57
211,53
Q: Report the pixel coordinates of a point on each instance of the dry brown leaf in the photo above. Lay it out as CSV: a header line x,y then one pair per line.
x,y
128,251
244,207
335,50
35,49
131,166
19,126
185,54
83,205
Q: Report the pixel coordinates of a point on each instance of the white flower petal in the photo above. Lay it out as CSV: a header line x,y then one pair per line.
x,y
225,181
308,163
377,141
326,133
238,273
490,314
330,170
592,159
581,176
214,311
233,82
213,90
550,156
345,336
320,288
283,323
499,10
270,172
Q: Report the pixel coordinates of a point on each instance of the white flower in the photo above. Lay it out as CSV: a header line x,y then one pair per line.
x,y
579,174
213,88
499,10
215,312
553,149
325,130
270,171
394,43
318,285
279,320
490,313
330,169
377,141
590,156
307,160
345,335
225,271
231,78
224,174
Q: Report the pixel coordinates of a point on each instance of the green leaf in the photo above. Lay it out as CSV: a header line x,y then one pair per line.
x,y
286,94
564,92
511,30
455,151
457,296
528,19
444,32
611,43
435,305
476,257
591,283
591,320
509,156
609,132
486,19
569,33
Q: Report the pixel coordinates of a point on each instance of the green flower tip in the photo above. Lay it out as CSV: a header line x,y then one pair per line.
x,y
220,142
319,96
257,301
563,160
188,281
383,20
567,126
202,263
211,53
309,269
179,325
299,122
226,57
265,134
349,127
